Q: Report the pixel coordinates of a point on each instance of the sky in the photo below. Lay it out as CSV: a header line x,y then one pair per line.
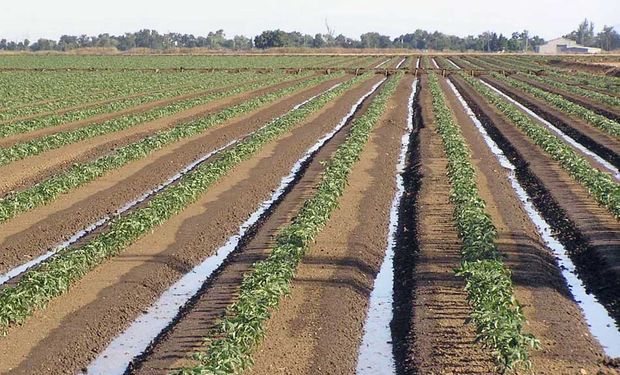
x,y
34,19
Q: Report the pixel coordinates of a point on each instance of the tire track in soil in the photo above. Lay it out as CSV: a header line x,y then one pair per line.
x,y
73,328
319,328
439,339
551,313
589,231
604,145
21,174
58,220
608,111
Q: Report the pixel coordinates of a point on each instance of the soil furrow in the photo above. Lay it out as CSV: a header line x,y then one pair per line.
x,y
30,135
589,231
600,108
552,315
439,340
85,205
319,328
173,349
23,173
604,145
95,103
74,327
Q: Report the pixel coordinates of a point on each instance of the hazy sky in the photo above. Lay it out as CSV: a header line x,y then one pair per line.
x,y
32,19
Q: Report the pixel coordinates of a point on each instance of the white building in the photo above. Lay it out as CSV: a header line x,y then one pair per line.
x,y
563,45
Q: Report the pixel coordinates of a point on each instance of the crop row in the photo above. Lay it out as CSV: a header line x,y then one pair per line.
x,y
243,326
51,120
152,62
82,173
497,315
551,74
558,101
599,184
55,277
95,87
594,95
611,84
20,89
36,146
463,63
426,62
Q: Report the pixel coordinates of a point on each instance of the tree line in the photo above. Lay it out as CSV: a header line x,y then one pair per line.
x,y
607,39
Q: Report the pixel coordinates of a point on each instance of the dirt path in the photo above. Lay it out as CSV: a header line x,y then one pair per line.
x,y
440,340
600,108
58,220
552,315
589,231
319,328
599,142
74,327
23,173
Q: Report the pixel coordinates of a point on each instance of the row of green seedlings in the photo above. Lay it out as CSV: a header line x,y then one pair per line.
x,y
593,95
50,120
426,62
443,63
464,64
38,145
39,285
243,327
82,173
95,87
497,315
593,81
19,89
607,125
160,62
599,184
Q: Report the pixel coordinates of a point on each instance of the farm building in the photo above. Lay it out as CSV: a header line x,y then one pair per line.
x,y
563,45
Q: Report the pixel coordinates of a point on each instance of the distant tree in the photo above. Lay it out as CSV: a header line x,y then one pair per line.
x,y
584,34
375,40
270,39
43,45
318,41
68,42
608,39
241,42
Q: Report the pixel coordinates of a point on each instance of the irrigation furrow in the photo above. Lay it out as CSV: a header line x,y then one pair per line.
x,y
37,146
142,199
375,351
381,63
583,227
600,323
144,331
602,162
81,173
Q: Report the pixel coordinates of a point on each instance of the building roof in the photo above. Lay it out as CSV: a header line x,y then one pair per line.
x,y
562,40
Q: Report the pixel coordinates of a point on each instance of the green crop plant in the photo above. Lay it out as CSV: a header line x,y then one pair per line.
x,y
243,327
82,173
38,145
600,185
54,277
593,95
497,315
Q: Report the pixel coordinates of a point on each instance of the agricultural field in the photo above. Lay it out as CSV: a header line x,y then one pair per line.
x,y
321,214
